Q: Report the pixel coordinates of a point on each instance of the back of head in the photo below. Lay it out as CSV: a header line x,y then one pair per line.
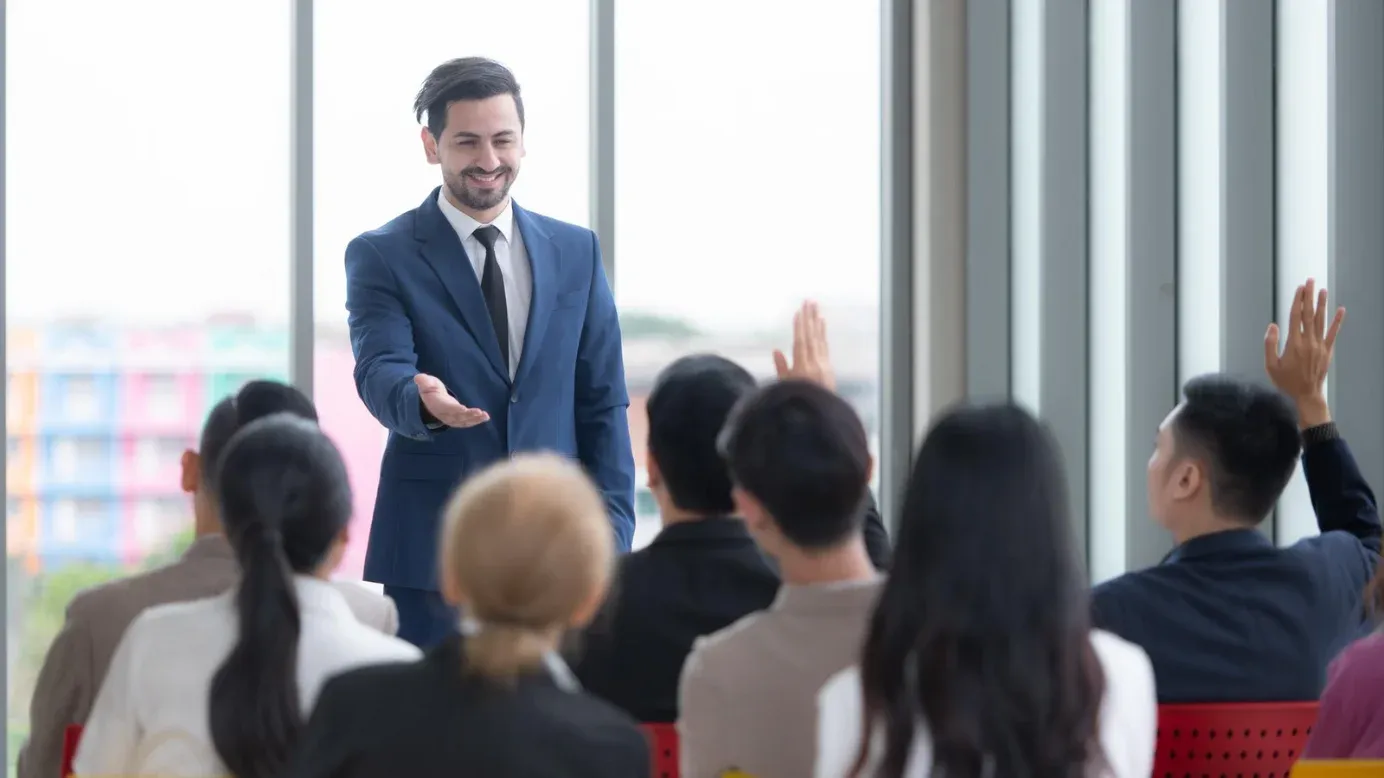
x,y
285,500
983,624
255,400
465,78
527,552
1247,435
801,452
690,402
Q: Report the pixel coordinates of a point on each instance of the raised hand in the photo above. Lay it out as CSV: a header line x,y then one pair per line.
x,y
811,359
444,407
1299,369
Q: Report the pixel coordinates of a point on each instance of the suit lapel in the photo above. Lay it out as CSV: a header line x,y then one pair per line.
x,y
543,258
443,251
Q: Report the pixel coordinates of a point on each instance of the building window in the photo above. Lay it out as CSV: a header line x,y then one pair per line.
x,y
82,401
79,458
163,399
75,519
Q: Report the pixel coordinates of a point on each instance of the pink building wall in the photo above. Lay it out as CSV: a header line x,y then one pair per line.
x,y
360,438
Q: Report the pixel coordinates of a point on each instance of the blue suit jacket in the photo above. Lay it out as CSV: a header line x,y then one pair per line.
x,y
1229,617
415,306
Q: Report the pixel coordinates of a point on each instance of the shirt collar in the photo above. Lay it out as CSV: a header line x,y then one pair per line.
x,y
465,225
1232,540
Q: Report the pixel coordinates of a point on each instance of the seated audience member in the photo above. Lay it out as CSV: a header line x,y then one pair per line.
x,y
527,555
1229,617
219,686
97,618
1350,718
980,658
801,464
703,571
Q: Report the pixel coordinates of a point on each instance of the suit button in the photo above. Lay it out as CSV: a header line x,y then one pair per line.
x,y
514,398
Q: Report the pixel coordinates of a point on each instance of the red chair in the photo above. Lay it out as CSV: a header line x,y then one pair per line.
x,y
1249,739
70,738
663,743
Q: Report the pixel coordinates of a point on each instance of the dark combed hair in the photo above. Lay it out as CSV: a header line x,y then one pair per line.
x,y
983,628
1247,435
802,452
284,499
255,400
690,402
467,78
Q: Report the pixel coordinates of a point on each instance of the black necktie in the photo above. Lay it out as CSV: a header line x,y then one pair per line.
x,y
493,287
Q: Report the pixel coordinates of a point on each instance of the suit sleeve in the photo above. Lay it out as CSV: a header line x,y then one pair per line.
x,y
63,695
602,404
322,747
876,536
1340,497
382,342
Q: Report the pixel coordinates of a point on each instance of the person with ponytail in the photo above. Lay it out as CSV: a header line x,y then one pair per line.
x,y
980,660
526,555
221,686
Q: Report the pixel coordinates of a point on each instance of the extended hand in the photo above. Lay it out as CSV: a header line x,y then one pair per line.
x,y
811,360
444,407
1300,371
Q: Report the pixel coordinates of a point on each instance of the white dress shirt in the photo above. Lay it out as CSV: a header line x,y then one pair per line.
x,y
151,717
1128,718
514,265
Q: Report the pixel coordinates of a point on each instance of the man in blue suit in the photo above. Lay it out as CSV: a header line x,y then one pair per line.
x,y
479,329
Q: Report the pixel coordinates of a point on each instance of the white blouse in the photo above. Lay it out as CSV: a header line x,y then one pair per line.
x,y
1128,718
151,717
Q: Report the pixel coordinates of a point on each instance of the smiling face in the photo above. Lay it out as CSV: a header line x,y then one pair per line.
x,y
479,150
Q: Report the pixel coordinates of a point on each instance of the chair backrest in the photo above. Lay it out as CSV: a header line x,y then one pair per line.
x,y
1263,739
663,745
70,738
1339,768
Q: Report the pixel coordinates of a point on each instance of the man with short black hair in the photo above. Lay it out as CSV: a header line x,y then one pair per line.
x,y
480,329
703,571
800,463
1228,617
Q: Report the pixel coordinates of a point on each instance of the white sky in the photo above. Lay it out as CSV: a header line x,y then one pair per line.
x,y
148,147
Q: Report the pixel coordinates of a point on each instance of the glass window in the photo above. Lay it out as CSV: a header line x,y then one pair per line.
x,y
120,116
729,169
366,103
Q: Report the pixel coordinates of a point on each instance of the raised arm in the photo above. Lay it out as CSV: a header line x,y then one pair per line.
x,y
1341,499
602,404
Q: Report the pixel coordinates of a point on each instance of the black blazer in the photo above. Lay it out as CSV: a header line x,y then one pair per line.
x,y
695,578
428,720
1229,617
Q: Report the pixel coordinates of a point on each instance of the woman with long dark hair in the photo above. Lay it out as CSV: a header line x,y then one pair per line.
x,y
980,661
220,686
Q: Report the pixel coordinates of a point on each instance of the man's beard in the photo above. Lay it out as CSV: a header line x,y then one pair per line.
x,y
474,197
